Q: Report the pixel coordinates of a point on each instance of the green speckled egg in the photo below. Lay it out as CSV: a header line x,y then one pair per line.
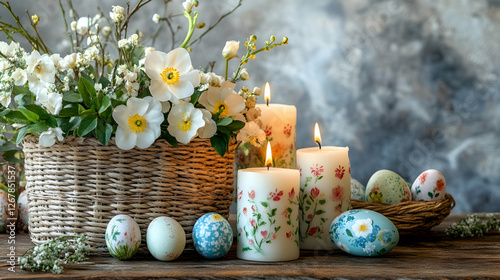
x,y
357,190
387,187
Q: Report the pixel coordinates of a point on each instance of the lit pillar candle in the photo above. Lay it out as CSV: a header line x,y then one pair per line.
x,y
278,121
325,192
267,213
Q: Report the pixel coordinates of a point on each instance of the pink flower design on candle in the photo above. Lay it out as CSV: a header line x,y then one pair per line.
x,y
337,193
240,195
263,233
289,234
276,195
274,235
317,170
291,194
285,213
309,217
287,130
245,211
314,192
251,194
250,241
313,231
253,222
268,130
253,208
339,172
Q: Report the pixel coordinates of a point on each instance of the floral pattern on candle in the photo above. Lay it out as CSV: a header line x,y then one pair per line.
x,y
259,221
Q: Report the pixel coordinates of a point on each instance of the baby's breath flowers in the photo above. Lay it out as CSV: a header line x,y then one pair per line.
x,y
51,255
473,225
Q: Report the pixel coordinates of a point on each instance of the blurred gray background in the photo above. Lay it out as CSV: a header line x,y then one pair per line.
x,y
407,85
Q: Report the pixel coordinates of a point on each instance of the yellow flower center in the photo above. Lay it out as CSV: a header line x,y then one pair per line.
x,y
170,76
137,123
221,107
185,125
363,228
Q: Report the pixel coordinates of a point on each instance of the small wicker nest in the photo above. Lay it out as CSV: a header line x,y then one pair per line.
x,y
411,217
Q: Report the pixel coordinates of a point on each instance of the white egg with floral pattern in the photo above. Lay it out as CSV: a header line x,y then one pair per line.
x,y
364,233
123,237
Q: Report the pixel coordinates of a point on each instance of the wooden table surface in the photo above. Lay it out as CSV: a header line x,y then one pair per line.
x,y
430,256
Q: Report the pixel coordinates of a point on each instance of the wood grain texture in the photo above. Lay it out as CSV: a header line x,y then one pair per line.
x,y
430,256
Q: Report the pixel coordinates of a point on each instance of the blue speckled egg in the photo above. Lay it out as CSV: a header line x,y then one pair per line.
x,y
364,233
387,187
357,190
212,236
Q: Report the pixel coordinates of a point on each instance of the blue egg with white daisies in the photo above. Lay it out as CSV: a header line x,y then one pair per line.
x,y
212,236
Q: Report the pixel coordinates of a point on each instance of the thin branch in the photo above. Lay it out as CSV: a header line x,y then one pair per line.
x,y
66,27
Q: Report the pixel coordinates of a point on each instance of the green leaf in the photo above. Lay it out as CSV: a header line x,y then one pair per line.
x,y
106,102
70,124
319,212
86,90
196,95
72,97
20,134
430,194
235,125
10,156
103,132
69,111
265,204
104,82
220,144
224,121
244,249
87,124
349,233
137,54
323,201
17,116
262,224
273,212
289,210
30,116
169,138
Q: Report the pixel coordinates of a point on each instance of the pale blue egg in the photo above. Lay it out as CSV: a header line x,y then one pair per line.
x,y
364,233
387,187
212,236
357,190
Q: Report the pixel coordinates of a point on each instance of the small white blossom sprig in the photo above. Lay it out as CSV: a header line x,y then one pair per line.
x,y
51,255
473,225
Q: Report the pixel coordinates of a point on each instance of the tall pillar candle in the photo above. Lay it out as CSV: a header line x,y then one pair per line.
x,y
325,192
268,214
278,121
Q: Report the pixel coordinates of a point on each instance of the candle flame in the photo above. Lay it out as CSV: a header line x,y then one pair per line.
x,y
317,135
267,94
269,156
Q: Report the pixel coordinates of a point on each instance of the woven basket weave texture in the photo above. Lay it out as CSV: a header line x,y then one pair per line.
x,y
411,217
77,185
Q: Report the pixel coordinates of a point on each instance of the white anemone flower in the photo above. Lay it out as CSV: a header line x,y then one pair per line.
x,y
48,138
41,67
223,99
172,75
251,133
52,101
210,127
138,123
362,227
184,121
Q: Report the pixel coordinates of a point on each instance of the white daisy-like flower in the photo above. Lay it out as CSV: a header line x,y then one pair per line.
x,y
52,101
210,127
82,25
223,99
252,133
40,68
48,138
138,123
362,227
184,121
342,247
172,75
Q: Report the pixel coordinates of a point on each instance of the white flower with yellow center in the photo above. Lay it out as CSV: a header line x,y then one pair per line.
x,y
362,227
184,121
138,123
210,127
48,138
251,133
224,100
172,75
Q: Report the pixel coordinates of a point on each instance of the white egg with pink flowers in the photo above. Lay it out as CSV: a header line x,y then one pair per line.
x,y
430,185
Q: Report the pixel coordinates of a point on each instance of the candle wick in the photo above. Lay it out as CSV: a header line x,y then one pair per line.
x,y
267,102
268,167
319,144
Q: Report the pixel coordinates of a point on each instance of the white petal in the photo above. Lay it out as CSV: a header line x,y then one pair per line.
x,y
192,77
125,140
155,64
121,115
160,90
180,60
181,89
235,103
146,138
137,106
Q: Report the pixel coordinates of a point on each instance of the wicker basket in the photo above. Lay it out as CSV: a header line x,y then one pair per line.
x,y
77,185
411,217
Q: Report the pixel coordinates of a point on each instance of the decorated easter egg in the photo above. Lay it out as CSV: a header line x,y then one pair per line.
x,y
429,186
357,190
364,233
22,206
123,237
387,187
165,238
212,236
